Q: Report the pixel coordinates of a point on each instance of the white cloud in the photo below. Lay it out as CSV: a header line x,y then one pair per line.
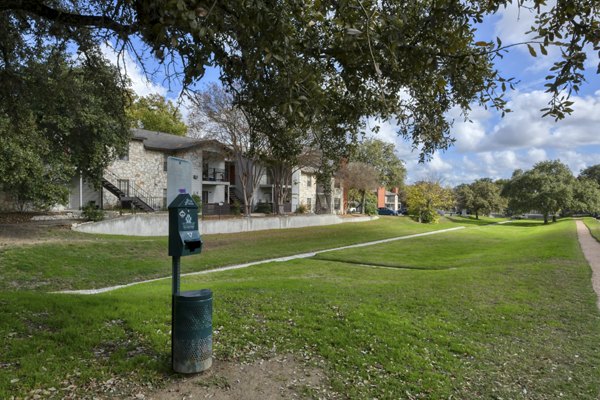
x,y
139,82
514,22
577,161
512,26
524,127
537,155
469,133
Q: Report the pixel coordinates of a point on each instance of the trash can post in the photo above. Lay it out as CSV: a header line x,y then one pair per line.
x,y
191,311
176,274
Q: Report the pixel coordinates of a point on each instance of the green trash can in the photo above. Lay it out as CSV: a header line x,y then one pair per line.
x,y
192,331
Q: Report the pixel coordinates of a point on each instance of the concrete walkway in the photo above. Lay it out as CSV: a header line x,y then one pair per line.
x,y
279,259
591,251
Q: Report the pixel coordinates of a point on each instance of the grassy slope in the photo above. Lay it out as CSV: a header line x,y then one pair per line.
x,y
523,325
89,261
594,226
459,249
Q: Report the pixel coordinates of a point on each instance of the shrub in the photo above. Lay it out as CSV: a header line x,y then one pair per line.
x,y
302,209
198,202
264,208
91,212
236,208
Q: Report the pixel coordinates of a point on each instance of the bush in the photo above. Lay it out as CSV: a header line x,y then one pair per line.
x,y
236,208
198,202
264,208
302,209
370,208
92,213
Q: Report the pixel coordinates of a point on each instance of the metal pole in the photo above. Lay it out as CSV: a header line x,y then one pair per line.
x,y
176,271
174,291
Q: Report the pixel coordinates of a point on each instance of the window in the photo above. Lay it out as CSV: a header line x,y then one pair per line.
x,y
125,157
166,157
309,203
123,185
337,203
165,205
309,181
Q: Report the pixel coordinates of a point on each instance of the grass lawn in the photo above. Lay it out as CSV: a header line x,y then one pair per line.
x,y
498,311
594,226
83,261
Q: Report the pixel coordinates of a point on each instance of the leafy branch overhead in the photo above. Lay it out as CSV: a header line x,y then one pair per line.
x,y
404,61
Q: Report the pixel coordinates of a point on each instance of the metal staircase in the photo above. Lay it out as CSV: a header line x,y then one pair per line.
x,y
131,196
233,197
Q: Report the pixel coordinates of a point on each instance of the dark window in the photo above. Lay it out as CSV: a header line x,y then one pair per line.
x,y
123,185
125,157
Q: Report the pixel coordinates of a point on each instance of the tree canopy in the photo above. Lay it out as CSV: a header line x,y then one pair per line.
x,y
155,113
323,63
546,188
592,173
425,198
59,117
382,157
481,196
361,177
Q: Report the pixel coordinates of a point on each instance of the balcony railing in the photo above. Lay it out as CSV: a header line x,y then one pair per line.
x,y
215,174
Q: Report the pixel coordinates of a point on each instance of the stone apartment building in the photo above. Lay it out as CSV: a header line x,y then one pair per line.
x,y
139,179
306,191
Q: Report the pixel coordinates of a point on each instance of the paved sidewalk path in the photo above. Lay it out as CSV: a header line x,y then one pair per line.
x,y
279,259
591,251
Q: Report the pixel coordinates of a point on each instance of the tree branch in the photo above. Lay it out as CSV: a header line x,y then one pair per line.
x,y
38,8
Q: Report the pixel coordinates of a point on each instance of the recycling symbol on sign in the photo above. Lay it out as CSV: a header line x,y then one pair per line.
x,y
188,219
182,213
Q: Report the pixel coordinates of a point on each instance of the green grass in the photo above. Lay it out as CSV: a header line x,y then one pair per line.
x,y
471,220
528,244
594,226
521,325
92,261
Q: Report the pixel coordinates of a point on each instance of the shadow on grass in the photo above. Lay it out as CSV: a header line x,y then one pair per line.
x,y
528,223
380,265
470,220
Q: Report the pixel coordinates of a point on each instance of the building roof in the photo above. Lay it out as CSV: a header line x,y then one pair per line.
x,y
163,141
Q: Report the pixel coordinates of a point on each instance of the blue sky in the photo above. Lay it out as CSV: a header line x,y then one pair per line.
x,y
488,146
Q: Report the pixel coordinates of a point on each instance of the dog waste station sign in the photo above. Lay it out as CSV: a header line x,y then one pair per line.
x,y
191,323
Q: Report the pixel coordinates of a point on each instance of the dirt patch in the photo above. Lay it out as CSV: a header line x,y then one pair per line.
x,y
281,377
32,232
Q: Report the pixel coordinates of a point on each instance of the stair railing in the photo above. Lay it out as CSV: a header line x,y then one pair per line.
x,y
134,190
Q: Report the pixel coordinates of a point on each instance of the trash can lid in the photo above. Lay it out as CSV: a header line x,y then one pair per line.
x,y
192,295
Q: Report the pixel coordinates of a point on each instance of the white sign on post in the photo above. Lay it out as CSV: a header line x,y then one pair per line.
x,y
179,177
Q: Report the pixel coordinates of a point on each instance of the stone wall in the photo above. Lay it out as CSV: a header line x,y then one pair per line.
x,y
144,168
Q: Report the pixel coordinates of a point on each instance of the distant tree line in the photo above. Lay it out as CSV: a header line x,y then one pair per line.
x,y
549,188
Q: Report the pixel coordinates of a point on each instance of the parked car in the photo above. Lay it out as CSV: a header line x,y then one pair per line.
x,y
386,211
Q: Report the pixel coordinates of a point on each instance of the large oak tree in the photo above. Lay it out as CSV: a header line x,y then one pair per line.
x,y
407,61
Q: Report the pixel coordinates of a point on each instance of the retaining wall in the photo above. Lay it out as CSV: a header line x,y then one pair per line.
x,y
158,224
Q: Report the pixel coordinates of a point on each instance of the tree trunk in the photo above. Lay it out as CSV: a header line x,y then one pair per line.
x,y
476,214
553,217
363,200
545,218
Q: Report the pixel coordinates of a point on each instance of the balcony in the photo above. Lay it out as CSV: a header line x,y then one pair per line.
x,y
215,175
